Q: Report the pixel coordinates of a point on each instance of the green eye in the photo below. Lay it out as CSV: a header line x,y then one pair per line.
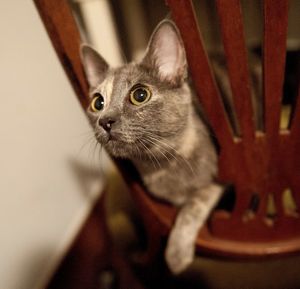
x,y
97,102
139,95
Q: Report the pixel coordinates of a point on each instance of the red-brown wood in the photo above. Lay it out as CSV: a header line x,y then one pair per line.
x,y
261,163
274,52
91,254
62,30
231,25
257,163
90,247
295,122
292,149
184,16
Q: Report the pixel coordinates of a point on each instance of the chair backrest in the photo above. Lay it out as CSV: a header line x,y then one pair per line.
x,y
262,166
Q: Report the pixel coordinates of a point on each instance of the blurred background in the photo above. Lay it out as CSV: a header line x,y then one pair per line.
x,y
51,170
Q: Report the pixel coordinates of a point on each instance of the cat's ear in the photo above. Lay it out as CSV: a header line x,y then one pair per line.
x,y
95,67
165,53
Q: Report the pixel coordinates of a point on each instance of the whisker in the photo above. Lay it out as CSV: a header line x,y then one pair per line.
x,y
159,149
154,138
150,154
138,151
90,139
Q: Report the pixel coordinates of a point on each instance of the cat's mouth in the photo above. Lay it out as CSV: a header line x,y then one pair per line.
x,y
112,138
108,138
117,144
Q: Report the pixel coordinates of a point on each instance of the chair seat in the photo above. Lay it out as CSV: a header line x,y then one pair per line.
x,y
210,240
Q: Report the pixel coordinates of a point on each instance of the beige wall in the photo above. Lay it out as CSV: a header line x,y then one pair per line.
x,y
42,128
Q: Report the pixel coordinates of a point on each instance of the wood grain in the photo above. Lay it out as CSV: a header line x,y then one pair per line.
x,y
62,30
231,24
184,16
274,53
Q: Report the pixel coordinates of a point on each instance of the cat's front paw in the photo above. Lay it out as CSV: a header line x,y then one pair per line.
x,y
178,257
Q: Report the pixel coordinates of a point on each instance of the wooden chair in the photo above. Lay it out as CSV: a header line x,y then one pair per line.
x,y
261,165
92,262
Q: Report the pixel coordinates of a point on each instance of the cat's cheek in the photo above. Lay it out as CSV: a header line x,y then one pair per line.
x,y
93,120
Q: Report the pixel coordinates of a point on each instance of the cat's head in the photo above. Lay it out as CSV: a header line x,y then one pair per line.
x,y
136,106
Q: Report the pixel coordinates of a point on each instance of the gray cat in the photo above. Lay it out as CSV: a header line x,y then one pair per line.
x,y
144,112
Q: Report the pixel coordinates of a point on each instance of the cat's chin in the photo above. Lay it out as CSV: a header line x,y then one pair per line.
x,y
115,146
119,149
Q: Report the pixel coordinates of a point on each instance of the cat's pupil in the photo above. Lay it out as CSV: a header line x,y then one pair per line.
x,y
99,102
140,94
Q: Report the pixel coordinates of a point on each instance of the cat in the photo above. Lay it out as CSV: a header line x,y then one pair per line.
x,y
144,112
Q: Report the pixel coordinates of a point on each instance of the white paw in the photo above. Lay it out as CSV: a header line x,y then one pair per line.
x,y
179,257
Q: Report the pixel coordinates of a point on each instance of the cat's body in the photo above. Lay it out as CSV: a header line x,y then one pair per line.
x,y
144,112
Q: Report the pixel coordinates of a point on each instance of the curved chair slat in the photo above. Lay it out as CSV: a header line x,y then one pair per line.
x,y
274,54
231,25
184,16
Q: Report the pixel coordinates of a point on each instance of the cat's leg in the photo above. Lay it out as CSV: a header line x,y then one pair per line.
x,y
191,217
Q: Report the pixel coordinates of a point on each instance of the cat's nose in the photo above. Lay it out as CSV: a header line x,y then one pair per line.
x,y
106,123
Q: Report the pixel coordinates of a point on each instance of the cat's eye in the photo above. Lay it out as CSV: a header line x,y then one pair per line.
x,y
97,102
139,94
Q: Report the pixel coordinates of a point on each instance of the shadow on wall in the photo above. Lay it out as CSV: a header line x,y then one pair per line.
x,y
90,180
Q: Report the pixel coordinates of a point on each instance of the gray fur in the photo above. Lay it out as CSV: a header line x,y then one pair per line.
x,y
165,139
